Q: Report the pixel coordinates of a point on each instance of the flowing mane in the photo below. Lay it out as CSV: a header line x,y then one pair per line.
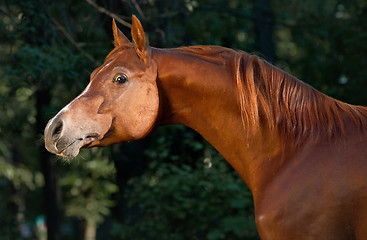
x,y
287,104
272,96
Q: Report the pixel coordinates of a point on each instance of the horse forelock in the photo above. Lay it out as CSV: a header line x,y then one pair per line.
x,y
271,96
119,49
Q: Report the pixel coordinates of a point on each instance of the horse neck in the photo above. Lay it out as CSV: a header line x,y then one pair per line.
x,y
200,91
257,116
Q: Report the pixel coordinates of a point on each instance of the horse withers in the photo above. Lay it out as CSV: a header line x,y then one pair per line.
x,y
302,154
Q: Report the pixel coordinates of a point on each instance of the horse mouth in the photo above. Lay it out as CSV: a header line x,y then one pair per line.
x,y
72,149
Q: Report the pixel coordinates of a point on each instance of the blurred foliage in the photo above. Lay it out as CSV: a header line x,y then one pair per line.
x,y
89,186
186,191
323,44
207,201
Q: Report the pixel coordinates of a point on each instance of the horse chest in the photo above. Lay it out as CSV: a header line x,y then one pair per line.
x,y
315,197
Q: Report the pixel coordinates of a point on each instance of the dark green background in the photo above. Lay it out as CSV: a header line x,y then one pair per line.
x,y
173,185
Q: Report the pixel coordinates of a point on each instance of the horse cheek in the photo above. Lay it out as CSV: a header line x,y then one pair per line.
x,y
142,111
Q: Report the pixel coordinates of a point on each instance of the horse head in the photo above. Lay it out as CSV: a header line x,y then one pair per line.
x,y
119,104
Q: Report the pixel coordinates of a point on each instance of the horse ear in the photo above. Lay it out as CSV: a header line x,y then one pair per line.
x,y
119,37
138,36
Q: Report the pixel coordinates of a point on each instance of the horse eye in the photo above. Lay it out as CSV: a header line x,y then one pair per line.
x,y
120,78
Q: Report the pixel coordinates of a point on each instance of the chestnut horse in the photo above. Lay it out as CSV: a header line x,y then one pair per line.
x,y
302,154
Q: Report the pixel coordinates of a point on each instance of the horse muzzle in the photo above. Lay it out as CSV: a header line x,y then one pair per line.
x,y
65,141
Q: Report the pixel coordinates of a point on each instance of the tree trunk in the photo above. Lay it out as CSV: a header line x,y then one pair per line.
x,y
264,28
90,230
129,160
49,170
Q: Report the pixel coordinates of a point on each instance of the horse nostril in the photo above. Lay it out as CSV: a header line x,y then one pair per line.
x,y
57,130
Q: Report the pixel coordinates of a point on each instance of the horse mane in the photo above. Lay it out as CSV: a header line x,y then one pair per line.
x,y
273,99
292,107
213,54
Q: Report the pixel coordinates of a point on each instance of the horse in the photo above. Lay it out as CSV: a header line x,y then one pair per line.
x,y
302,153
